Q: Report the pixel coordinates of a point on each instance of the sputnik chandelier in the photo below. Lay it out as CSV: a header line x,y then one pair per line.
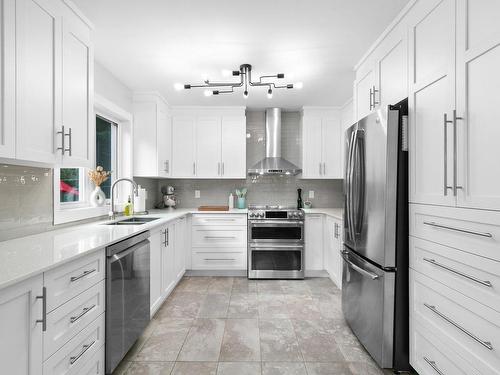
x,y
245,74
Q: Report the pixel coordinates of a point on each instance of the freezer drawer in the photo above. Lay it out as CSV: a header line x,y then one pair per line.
x,y
368,305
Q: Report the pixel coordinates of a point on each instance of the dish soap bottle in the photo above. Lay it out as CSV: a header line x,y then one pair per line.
x,y
128,207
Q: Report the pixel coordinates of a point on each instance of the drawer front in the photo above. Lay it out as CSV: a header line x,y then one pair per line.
x,y
236,260
69,280
219,219
474,231
427,359
474,276
73,356
225,237
472,329
67,320
96,365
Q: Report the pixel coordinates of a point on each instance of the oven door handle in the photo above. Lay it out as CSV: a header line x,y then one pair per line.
x,y
262,246
289,223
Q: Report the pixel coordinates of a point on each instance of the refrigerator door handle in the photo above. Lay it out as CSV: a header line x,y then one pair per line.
x,y
349,187
359,167
360,270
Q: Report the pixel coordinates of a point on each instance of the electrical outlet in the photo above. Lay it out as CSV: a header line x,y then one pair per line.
x,y
311,194
197,194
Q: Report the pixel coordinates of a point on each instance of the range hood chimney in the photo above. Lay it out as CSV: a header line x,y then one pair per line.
x,y
273,163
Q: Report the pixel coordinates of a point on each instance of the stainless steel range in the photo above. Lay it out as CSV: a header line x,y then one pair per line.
x,y
275,242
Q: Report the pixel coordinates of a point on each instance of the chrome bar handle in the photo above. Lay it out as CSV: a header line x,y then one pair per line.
x,y
85,347
85,273
223,168
433,262
371,105
84,311
375,103
433,365
324,169
194,168
455,146
166,166
70,136
486,344
445,126
357,268
63,139
43,297
482,234
167,237
218,169
219,259
349,183
319,165
219,237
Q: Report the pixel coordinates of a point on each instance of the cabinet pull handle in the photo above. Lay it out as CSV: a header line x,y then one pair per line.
x,y
433,365
63,138
43,297
375,103
445,148
194,168
455,161
209,219
482,234
85,347
167,239
70,136
218,169
324,169
433,262
371,105
319,164
219,259
486,344
223,168
84,311
85,273
167,166
219,237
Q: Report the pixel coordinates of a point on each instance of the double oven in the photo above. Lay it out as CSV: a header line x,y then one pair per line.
x,y
275,243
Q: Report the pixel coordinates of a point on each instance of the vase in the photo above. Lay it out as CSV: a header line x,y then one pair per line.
x,y
240,202
97,197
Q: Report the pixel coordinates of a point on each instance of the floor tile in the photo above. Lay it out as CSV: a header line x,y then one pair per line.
x,y
214,306
204,341
302,307
283,368
241,341
243,285
195,368
193,284
328,368
295,287
316,342
269,287
220,285
239,368
243,305
278,342
150,368
182,305
363,368
272,306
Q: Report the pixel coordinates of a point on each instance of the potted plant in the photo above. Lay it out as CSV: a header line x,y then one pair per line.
x,y
241,198
98,176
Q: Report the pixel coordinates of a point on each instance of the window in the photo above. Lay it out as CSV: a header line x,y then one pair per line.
x,y
105,150
71,185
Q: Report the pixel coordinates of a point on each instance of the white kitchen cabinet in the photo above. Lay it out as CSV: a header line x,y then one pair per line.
x,y
152,136
156,241
322,147
7,79
332,248
314,242
208,147
183,147
233,147
168,259
364,91
21,344
180,248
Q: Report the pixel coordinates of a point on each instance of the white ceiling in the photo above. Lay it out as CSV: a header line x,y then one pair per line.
x,y
152,44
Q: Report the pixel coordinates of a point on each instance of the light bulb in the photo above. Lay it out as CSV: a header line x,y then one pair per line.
x,y
245,94
208,93
298,85
269,94
178,86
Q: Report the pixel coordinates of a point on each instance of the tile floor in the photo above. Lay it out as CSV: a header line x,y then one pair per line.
x,y
235,326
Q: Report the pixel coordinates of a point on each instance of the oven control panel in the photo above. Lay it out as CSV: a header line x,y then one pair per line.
x,y
276,215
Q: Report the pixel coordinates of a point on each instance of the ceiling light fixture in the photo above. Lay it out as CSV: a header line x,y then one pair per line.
x,y
245,74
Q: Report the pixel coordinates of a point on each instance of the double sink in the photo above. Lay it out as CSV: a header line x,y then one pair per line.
x,y
133,221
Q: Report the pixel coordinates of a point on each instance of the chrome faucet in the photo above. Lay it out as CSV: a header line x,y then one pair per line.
x,y
112,213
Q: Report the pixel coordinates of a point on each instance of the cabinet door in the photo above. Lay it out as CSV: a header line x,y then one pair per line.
x,y
337,265
478,104
167,259
183,142
332,148
21,343
432,91
363,93
164,143
329,233
7,78
156,244
234,145
208,141
314,242
180,248
312,157
38,83
77,98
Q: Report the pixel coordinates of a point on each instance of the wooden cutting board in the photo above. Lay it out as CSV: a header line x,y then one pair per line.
x,y
213,208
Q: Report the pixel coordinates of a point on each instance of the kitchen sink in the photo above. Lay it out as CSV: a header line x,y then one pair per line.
x,y
134,221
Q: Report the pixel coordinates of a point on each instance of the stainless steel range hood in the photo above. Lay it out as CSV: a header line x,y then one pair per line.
x,y
273,163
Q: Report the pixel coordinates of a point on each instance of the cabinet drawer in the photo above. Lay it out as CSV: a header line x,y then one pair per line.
x,y
236,260
474,276
65,282
73,356
229,237
474,231
219,219
96,365
472,329
67,320
427,359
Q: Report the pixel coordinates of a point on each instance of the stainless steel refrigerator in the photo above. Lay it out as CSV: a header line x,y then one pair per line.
x,y
375,251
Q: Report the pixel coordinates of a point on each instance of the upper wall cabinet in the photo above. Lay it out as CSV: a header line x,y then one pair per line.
x,y
322,137
152,136
47,83
209,143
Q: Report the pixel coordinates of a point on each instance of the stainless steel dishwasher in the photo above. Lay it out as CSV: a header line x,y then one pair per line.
x,y
127,296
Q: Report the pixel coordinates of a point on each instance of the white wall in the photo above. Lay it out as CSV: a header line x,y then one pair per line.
x,y
109,87
347,115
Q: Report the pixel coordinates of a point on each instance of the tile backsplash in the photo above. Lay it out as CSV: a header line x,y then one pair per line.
x,y
26,200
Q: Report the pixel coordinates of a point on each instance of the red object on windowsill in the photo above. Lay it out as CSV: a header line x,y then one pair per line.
x,y
68,189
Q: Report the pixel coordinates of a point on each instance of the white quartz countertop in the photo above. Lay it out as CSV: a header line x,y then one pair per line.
x,y
24,257
337,213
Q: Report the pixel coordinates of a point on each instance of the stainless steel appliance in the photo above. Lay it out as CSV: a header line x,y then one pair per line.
x,y
127,296
375,253
275,242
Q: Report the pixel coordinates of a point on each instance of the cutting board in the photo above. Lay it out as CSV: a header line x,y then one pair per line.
x,y
213,208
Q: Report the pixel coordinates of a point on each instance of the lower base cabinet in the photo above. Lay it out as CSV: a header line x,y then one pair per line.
x,y
332,249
